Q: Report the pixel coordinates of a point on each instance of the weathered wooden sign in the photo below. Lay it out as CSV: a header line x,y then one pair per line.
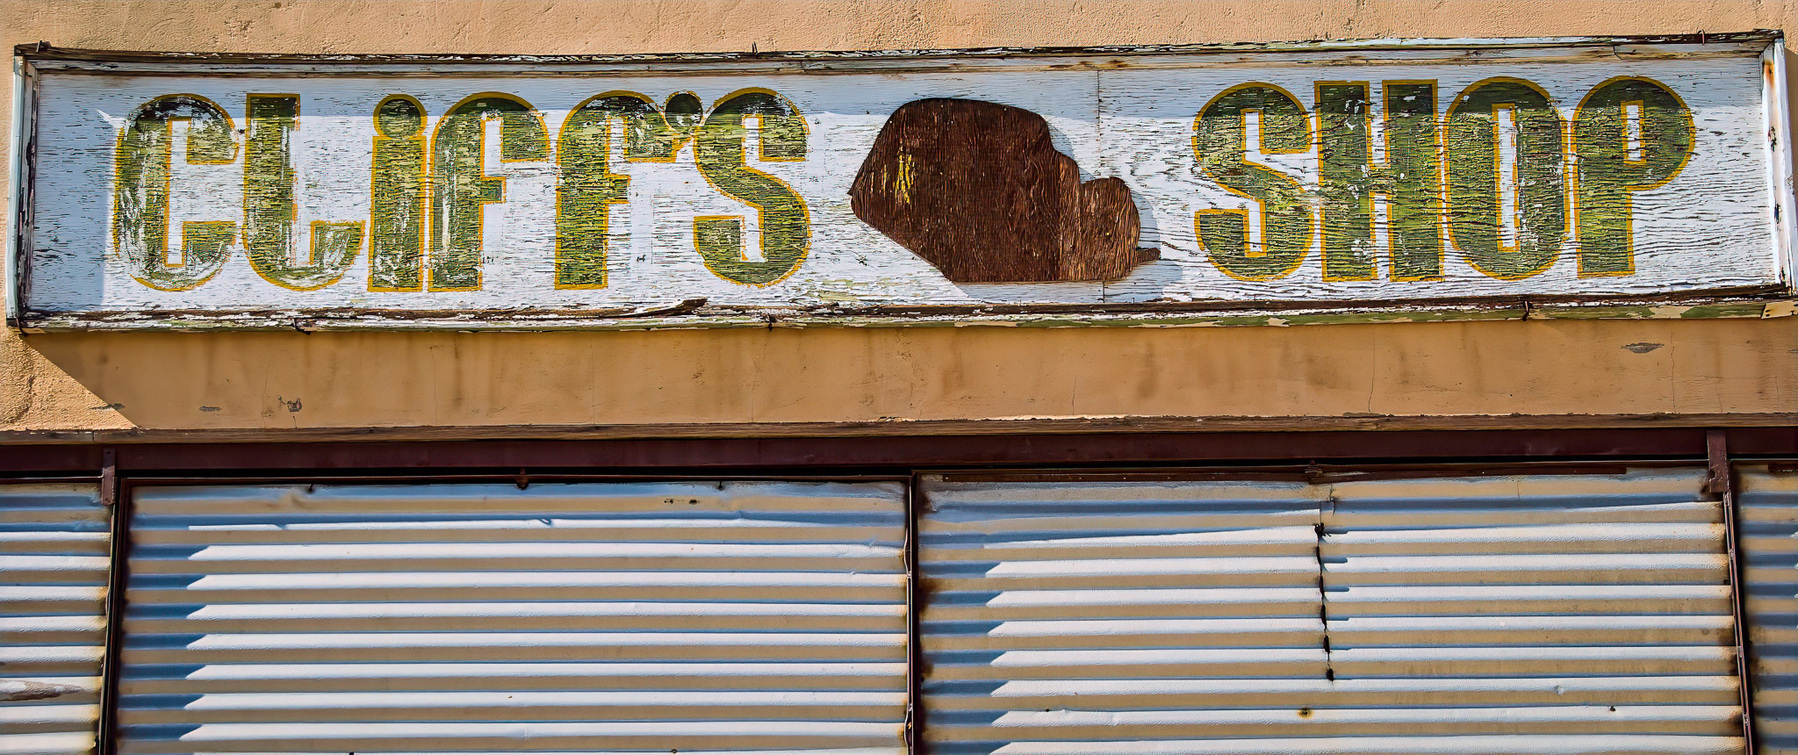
x,y
172,190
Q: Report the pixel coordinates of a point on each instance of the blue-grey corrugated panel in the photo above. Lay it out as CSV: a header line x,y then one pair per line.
x,y
1768,510
1084,616
651,617
54,540
1507,615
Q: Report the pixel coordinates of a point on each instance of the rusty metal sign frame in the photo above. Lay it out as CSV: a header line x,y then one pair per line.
x,y
1774,300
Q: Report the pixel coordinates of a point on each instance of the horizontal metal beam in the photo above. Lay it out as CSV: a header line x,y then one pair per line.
x,y
771,455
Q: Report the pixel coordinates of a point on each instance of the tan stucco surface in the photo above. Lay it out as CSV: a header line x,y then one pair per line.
x,y
1512,372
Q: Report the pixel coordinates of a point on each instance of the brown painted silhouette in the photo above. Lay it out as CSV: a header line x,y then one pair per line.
x,y
978,190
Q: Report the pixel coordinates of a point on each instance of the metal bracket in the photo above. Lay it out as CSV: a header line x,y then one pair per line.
x,y
109,477
1716,446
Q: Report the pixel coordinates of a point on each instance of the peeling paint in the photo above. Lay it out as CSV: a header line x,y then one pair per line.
x,y
1264,205
881,317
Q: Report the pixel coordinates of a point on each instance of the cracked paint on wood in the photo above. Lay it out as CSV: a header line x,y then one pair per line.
x,y
398,190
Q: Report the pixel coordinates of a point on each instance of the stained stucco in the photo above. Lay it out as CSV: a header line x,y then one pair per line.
x,y
1509,373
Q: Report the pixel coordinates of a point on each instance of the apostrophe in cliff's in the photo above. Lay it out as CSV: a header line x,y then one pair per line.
x,y
979,191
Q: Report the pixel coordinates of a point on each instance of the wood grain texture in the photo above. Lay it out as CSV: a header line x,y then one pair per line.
x,y
752,205
979,191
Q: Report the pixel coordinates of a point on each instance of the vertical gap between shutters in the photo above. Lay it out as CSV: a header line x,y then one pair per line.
x,y
117,499
914,672
1721,482
1323,598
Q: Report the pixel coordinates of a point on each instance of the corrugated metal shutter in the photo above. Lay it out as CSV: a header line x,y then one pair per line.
x,y
1064,615
457,618
1567,614
53,563
1549,614
1767,506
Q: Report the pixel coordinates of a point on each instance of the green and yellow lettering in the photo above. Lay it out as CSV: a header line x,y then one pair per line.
x,y
1629,135
1220,139
1348,181
784,219
396,238
268,204
142,164
1507,194
589,188
460,186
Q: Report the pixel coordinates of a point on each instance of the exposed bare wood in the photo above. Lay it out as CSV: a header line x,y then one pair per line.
x,y
978,190
44,54
1207,315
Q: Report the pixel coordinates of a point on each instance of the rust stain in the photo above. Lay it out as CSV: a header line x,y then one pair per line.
x,y
979,190
22,690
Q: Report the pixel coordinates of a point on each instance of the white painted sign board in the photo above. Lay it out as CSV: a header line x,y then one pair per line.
x,y
175,190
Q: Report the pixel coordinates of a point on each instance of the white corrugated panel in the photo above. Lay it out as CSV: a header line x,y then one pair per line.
x,y
1549,614
53,561
1592,609
653,617
1767,506
1088,617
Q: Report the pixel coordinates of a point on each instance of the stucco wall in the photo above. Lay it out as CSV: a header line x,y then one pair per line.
x,y
1512,373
